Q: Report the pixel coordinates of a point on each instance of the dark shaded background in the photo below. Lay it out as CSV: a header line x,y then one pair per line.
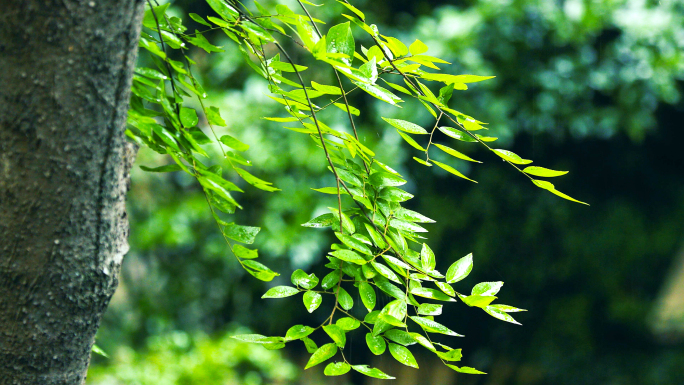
x,y
593,87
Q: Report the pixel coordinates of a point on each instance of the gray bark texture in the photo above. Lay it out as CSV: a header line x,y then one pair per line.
x,y
65,77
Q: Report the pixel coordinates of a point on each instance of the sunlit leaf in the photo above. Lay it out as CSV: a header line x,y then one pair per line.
x,y
465,369
323,353
280,292
452,170
337,334
372,372
487,288
405,126
460,269
336,369
312,301
434,327
403,355
298,332
367,294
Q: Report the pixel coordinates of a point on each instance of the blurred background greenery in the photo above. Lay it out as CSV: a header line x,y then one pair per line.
x,y
590,86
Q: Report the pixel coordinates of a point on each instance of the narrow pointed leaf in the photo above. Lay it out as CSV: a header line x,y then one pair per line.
x,y
460,269
323,353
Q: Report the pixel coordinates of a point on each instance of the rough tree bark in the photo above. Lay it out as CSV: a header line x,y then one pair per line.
x,y
65,76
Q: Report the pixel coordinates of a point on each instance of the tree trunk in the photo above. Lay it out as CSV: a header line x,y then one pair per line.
x,y
65,76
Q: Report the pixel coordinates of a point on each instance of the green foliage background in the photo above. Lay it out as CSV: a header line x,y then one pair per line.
x,y
591,87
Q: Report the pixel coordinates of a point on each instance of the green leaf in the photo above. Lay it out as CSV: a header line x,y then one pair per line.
x,y
331,279
298,332
372,372
371,317
323,353
418,47
168,168
445,93
341,40
329,190
378,92
405,126
452,170
188,117
429,309
312,301
382,178
465,369
200,41
478,300
391,320
270,343
310,345
354,244
471,78
398,48
198,19
367,294
244,234
245,253
234,143
260,271
506,308
511,156
349,256
376,345
354,10
307,33
403,225
487,288
97,350
394,194
434,327
401,337
446,288
280,292
455,153
330,90
286,67
337,369
451,355
325,220
423,341
386,272
457,134
346,221
500,314
427,258
352,110
410,141
431,293
560,194
214,117
384,285
307,281
337,334
460,269
412,216
345,299
403,355
375,236
223,9
348,323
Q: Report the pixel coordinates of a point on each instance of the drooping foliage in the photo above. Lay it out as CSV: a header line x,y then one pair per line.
x,y
381,245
